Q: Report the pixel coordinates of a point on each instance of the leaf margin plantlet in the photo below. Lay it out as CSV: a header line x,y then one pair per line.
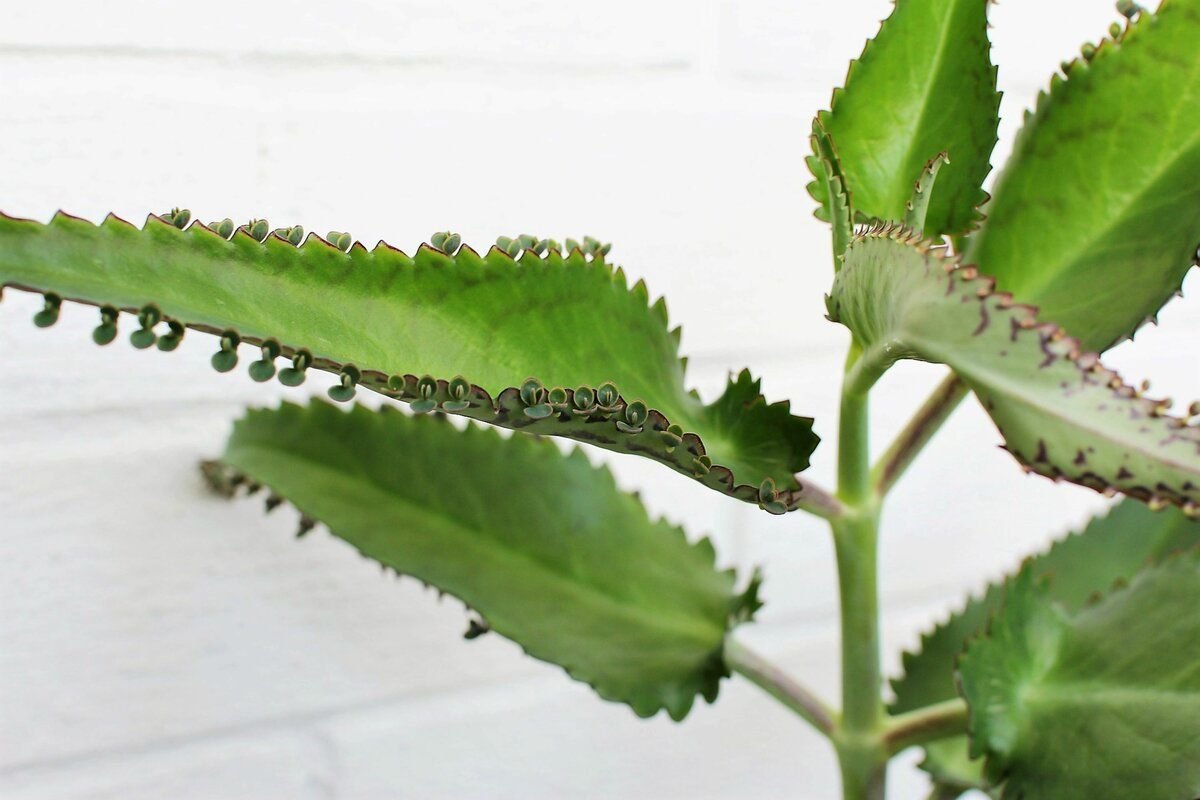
x,y
779,443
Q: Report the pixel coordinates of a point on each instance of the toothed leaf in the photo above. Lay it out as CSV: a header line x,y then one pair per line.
x,y
917,208
1096,216
1060,412
836,208
543,546
924,85
411,325
1102,702
1111,549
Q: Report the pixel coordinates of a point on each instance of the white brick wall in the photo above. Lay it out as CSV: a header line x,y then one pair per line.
x,y
161,643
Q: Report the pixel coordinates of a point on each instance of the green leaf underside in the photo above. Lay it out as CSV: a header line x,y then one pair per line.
x,y
1061,413
1110,550
542,545
1096,217
568,321
924,85
1103,702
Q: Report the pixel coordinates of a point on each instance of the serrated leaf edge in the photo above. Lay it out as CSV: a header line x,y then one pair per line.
x,y
1079,67
608,428
977,215
227,482
995,771
1056,343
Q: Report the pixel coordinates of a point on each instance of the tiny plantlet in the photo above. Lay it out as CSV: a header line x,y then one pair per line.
x,y
1078,677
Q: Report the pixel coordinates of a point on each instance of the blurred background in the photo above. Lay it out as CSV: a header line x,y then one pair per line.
x,y
159,642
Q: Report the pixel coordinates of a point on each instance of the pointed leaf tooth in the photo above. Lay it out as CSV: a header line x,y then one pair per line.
x,y
660,309
305,526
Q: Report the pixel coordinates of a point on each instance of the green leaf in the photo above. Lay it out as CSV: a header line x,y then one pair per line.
x,y
835,207
543,546
917,208
923,86
1096,217
1061,413
1103,702
1111,549
606,365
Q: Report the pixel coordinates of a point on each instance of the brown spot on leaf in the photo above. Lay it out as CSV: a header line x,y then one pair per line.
x,y
983,320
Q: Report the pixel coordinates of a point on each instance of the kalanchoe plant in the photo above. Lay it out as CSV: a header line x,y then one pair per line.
x,y
1078,677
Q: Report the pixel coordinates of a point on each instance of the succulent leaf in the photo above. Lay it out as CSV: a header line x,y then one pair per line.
x,y
542,546
917,208
835,208
925,84
1102,702
1110,550
1096,216
410,325
1061,413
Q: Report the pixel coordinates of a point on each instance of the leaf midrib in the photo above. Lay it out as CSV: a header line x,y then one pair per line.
x,y
1030,400
932,78
1093,693
1070,262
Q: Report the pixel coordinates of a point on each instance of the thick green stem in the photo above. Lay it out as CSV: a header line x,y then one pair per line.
x,y
854,486
862,706
861,751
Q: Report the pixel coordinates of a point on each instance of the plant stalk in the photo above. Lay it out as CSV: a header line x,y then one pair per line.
x,y
861,752
817,501
854,487
782,687
927,724
917,433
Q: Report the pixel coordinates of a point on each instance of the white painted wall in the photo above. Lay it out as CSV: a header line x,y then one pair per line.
x,y
158,642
